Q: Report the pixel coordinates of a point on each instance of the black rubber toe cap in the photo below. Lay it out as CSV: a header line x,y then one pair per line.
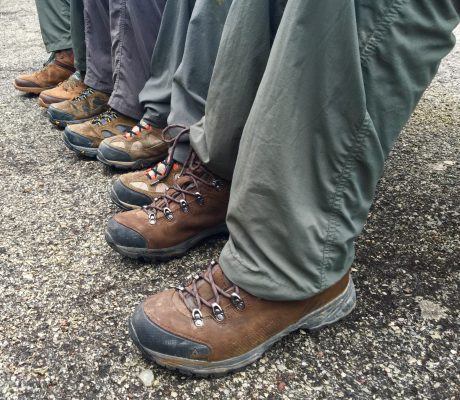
x,y
149,336
59,115
121,235
112,154
129,196
76,139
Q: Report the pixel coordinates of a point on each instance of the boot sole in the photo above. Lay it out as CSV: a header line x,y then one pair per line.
x,y
41,103
129,165
122,204
62,123
82,151
326,315
159,255
30,90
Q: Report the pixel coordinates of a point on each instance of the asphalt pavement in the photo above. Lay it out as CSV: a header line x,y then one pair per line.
x,y
65,296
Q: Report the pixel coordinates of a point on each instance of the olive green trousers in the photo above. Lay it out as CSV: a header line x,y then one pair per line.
x,y
306,100
62,27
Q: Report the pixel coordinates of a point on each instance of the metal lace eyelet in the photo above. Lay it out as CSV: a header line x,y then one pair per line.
x,y
179,287
184,206
152,219
197,317
218,184
168,213
217,312
199,198
238,302
213,263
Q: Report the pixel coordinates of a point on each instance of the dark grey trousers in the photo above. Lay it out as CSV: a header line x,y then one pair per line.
x,y
77,32
120,37
303,125
182,64
62,27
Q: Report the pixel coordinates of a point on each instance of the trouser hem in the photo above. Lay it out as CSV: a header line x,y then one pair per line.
x,y
58,46
122,107
157,122
266,287
94,83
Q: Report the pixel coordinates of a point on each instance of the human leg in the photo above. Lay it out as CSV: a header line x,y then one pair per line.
x,y
310,156
98,46
54,19
188,88
134,30
77,29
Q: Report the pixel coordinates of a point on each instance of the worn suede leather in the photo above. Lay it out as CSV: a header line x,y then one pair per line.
x,y
66,90
240,331
167,233
95,132
146,144
49,76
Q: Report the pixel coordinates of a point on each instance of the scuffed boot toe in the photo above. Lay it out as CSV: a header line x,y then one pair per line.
x,y
58,116
125,240
154,341
78,143
127,198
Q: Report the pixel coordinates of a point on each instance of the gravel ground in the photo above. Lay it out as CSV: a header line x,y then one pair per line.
x,y
65,296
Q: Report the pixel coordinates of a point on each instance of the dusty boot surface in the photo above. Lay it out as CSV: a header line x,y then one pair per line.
x,y
191,210
87,105
210,327
84,138
66,90
54,72
137,189
140,147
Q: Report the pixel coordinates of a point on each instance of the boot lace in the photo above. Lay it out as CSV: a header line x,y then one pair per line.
x,y
163,168
177,193
70,83
136,131
107,116
194,302
84,95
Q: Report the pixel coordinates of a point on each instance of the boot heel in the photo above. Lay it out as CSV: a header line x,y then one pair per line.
x,y
332,312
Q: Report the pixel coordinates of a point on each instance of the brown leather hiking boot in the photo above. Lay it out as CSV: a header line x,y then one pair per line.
x,y
193,209
85,138
211,327
87,105
140,147
55,71
140,188
66,90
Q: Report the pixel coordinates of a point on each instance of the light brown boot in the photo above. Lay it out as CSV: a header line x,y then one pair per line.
x,y
87,105
85,138
67,90
140,147
137,189
57,70
211,327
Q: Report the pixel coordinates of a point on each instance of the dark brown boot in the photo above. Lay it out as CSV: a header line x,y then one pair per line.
x,y
54,72
193,209
211,327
